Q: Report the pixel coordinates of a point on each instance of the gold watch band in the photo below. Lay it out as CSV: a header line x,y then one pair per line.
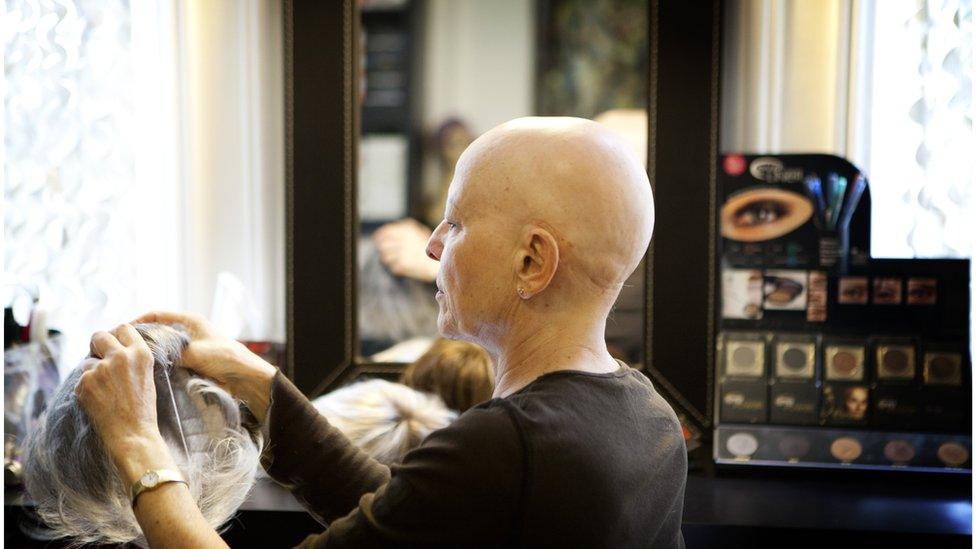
x,y
154,479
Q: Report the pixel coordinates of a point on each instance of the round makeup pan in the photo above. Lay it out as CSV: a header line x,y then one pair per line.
x,y
953,454
763,213
846,449
795,359
899,452
742,445
896,362
844,362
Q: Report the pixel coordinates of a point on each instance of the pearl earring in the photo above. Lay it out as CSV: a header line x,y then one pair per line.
x,y
521,293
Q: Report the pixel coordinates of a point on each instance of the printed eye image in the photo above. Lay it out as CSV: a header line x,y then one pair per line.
x,y
887,291
922,291
761,213
852,290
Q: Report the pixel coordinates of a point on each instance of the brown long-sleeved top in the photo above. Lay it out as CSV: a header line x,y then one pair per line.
x,y
578,459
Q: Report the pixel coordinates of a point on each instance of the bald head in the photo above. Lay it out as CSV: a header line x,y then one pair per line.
x,y
574,178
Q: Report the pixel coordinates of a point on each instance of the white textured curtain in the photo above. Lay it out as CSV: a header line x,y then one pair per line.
x,y
887,84
143,154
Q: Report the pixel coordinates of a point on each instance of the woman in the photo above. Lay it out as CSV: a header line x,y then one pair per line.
x,y
545,220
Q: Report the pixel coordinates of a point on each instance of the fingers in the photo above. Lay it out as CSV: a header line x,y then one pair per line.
x,y
127,335
195,324
163,317
103,343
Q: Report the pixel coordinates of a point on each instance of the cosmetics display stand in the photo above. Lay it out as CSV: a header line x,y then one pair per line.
x,y
825,356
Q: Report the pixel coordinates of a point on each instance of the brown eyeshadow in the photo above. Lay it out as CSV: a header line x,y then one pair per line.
x,y
899,451
942,368
895,361
846,449
844,363
953,454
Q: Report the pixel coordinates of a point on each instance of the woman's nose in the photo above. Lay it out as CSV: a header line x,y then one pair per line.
x,y
434,245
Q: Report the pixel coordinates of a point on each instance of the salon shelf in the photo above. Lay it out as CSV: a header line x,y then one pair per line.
x,y
733,510
868,504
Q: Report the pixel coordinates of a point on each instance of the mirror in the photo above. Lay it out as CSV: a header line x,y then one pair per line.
x,y
437,74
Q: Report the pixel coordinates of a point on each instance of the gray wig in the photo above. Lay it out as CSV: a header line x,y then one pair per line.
x,y
392,308
385,419
75,485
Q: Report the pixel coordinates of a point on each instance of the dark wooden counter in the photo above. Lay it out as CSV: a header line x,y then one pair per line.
x,y
723,511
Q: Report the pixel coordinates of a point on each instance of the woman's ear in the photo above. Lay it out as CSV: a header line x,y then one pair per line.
x,y
536,261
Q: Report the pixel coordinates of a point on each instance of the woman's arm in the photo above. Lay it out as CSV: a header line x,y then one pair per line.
x,y
324,470
168,515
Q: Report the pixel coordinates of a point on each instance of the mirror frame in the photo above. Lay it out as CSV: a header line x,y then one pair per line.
x,y
321,83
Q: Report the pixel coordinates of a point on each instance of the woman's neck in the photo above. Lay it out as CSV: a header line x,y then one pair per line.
x,y
531,353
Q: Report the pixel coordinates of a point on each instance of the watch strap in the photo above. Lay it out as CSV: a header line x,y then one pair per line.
x,y
152,480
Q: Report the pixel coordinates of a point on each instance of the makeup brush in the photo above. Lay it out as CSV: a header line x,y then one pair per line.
x,y
838,188
814,189
857,189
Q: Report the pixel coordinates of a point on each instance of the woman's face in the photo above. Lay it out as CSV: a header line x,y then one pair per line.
x,y
475,267
856,402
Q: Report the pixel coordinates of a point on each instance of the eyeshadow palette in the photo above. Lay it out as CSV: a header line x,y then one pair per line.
x,y
842,448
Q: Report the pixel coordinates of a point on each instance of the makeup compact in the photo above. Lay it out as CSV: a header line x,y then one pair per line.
x,y
894,361
745,355
941,368
795,359
843,362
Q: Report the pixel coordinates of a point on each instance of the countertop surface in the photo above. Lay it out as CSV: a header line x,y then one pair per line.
x,y
912,505
890,504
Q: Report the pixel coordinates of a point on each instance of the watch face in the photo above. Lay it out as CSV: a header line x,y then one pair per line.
x,y
150,479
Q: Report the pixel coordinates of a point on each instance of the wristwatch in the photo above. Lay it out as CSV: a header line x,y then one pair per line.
x,y
154,479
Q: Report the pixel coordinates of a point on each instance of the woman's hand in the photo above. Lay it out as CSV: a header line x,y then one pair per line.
x,y
403,249
118,394
228,362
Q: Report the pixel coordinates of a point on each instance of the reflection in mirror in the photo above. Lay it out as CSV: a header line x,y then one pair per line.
x,y
438,74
